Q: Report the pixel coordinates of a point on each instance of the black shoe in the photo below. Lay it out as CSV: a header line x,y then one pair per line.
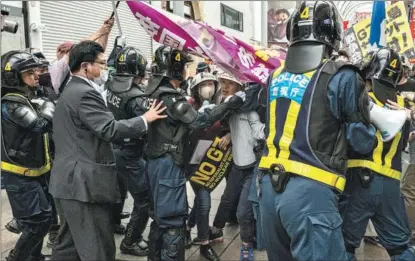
x,y
136,249
124,215
217,237
12,256
188,240
13,226
53,233
207,252
40,258
119,229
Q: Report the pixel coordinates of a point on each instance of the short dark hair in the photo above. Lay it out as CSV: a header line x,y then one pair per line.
x,y
282,10
85,51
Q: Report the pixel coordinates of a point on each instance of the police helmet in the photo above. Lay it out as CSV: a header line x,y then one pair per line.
x,y
385,66
131,62
315,21
176,64
159,64
202,66
14,63
42,59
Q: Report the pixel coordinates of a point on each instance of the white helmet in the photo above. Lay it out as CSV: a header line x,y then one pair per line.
x,y
203,77
229,77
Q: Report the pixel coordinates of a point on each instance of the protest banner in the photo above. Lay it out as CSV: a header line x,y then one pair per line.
x,y
213,167
398,34
244,61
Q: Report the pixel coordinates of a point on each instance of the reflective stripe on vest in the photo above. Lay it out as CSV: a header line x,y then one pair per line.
x,y
283,158
28,172
378,164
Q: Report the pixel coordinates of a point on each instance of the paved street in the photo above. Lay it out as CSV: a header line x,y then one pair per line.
x,y
228,250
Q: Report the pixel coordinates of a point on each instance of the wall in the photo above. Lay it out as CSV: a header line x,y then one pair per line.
x,y
11,41
251,18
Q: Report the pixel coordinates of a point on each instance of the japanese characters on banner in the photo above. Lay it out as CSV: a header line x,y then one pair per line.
x,y
214,166
246,62
398,34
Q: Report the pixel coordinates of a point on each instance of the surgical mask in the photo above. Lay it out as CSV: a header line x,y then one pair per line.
x,y
103,78
45,80
206,92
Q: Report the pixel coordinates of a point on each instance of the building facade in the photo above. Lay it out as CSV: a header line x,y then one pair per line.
x,y
43,25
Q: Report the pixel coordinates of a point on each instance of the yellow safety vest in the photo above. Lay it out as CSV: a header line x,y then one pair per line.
x,y
381,161
286,142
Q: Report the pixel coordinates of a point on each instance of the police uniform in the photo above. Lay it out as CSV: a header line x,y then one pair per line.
x,y
165,154
373,179
26,121
313,105
126,100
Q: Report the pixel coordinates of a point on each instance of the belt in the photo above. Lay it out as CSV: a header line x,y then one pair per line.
x,y
333,180
170,147
28,172
382,170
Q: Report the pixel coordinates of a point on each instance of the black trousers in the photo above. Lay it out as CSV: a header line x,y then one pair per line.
x,y
87,233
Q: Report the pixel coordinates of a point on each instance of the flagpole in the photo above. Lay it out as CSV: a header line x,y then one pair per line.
x,y
264,23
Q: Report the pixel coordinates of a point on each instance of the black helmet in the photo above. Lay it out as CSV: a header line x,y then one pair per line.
x,y
42,59
176,63
384,66
159,64
131,62
201,67
315,22
14,63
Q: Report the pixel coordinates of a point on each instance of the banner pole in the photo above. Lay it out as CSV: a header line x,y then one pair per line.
x,y
114,7
264,23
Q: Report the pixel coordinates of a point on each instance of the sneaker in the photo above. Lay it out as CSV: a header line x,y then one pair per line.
x,y
196,241
247,253
136,249
217,237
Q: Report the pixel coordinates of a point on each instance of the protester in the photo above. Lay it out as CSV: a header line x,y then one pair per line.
x,y
204,87
84,179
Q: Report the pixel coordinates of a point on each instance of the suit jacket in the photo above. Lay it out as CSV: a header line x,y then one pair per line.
x,y
83,130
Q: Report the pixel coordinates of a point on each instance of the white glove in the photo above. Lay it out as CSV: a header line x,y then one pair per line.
x,y
408,95
206,105
241,94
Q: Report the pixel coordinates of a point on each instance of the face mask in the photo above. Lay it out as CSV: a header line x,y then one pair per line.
x,y
45,80
102,78
206,92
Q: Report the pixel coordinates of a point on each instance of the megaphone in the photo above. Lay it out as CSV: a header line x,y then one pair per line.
x,y
388,122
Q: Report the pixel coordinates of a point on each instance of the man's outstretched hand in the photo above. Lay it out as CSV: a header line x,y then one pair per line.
x,y
155,111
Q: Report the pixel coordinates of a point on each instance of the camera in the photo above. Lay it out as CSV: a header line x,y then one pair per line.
x,y
7,25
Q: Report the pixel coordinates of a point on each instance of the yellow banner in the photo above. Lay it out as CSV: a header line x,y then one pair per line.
x,y
398,32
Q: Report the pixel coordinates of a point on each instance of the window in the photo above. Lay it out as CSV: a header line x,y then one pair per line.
x,y
231,18
188,9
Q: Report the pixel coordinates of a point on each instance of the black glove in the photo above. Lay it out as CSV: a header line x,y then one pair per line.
x,y
235,102
47,109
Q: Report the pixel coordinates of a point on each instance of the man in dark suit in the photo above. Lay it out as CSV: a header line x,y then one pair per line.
x,y
84,179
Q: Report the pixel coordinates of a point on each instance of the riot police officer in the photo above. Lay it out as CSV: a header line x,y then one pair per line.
x,y
165,154
316,108
125,100
26,121
373,179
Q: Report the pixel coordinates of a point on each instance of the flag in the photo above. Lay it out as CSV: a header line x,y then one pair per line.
x,y
378,25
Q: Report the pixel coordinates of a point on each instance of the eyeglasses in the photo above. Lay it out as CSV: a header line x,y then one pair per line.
x,y
103,63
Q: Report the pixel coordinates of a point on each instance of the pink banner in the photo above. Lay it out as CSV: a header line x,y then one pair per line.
x,y
246,62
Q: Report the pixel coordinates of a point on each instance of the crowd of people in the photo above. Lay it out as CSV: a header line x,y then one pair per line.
x,y
308,164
